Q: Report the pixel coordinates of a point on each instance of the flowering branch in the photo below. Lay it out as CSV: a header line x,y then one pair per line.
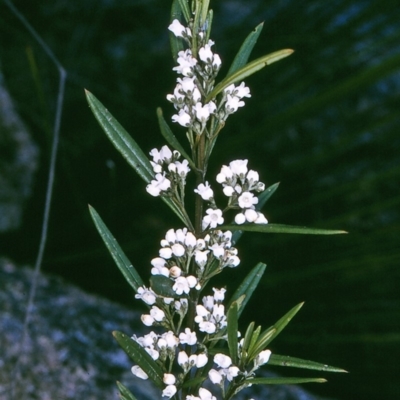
x,y
201,343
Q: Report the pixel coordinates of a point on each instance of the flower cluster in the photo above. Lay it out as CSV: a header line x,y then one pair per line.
x,y
170,173
211,315
198,73
238,183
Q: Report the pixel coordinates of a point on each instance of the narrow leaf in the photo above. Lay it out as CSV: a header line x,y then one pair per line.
x,y
245,50
280,228
124,265
124,392
286,361
129,149
185,9
248,286
139,355
281,324
120,138
171,138
265,195
248,70
192,382
284,381
232,320
247,337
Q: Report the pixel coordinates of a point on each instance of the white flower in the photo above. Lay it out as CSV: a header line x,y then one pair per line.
x,y
165,252
161,183
202,112
212,219
228,191
159,267
201,257
240,218
202,360
147,295
147,319
171,339
205,53
182,168
207,326
182,118
157,313
239,167
201,312
247,200
169,391
190,240
218,250
242,91
222,360
231,373
233,103
181,286
187,84
175,271
215,376
177,28
225,174
192,281
251,215
252,176
188,337
261,219
186,63
262,358
183,358
153,353
169,379
219,294
178,250
204,191
137,371
206,395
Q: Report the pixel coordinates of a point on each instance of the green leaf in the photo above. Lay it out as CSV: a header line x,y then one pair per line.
x,y
232,322
120,138
248,70
124,265
280,228
192,382
124,392
284,381
245,50
272,332
185,9
175,42
248,286
129,149
286,361
265,195
140,356
262,199
171,138
163,286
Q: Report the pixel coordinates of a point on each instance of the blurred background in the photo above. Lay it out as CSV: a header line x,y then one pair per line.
x,y
325,123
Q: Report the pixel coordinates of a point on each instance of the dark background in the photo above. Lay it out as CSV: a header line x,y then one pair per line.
x,y
323,122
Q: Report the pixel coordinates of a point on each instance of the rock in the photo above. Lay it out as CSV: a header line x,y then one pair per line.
x,y
69,352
